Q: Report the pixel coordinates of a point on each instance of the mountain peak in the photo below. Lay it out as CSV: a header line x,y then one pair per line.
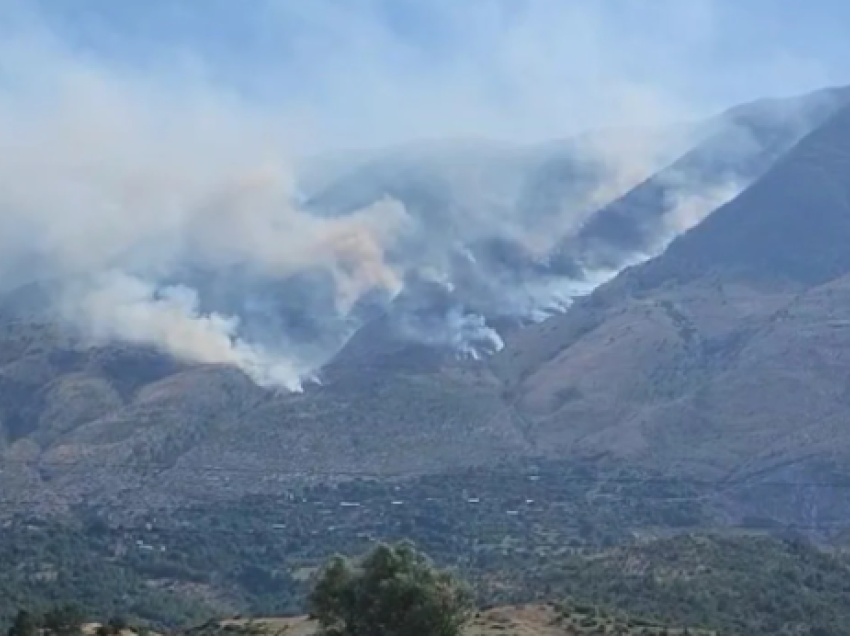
x,y
793,223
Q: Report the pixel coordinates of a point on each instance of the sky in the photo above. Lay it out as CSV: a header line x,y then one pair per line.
x,y
371,72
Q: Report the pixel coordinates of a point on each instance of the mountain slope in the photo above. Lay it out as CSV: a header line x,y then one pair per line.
x,y
727,354
505,281
722,357
737,148
736,585
91,424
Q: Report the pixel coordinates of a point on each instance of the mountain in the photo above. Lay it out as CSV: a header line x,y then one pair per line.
x,y
727,355
526,229
722,358
736,148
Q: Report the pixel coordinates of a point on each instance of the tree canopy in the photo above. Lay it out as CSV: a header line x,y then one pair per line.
x,y
393,591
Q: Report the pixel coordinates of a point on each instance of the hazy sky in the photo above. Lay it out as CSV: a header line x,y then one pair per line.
x,y
370,71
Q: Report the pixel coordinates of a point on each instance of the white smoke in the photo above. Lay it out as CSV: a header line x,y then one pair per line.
x,y
688,207
546,297
470,335
465,333
117,306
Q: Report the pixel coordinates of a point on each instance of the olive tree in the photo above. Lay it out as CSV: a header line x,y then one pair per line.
x,y
392,591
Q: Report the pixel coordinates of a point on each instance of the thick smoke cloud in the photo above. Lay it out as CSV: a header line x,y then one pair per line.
x,y
112,188
187,195
121,307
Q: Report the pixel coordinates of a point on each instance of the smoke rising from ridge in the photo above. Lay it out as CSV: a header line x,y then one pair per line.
x,y
167,198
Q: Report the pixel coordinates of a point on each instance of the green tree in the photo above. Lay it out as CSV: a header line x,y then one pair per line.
x,y
25,624
393,591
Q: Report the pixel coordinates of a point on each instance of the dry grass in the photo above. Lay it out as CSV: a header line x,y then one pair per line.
x,y
525,620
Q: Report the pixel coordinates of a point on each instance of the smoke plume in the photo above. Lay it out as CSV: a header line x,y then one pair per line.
x,y
189,194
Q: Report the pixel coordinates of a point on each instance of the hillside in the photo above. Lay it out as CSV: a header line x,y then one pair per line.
x,y
85,431
737,585
722,358
726,355
747,585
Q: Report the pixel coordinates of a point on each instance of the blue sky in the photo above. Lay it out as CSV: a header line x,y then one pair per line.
x,y
383,70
